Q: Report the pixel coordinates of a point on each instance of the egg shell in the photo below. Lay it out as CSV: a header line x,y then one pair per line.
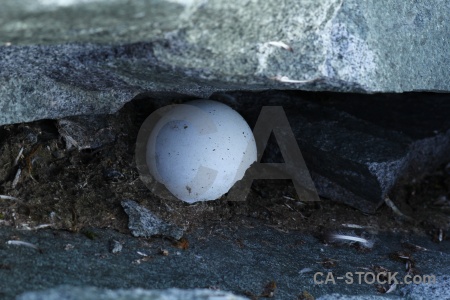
x,y
199,149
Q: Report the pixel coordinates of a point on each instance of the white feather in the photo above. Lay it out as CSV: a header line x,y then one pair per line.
x,y
348,238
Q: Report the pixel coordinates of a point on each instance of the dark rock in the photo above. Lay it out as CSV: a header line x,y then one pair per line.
x,y
144,223
360,154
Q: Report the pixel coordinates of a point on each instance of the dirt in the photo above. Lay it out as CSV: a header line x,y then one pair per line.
x,y
75,189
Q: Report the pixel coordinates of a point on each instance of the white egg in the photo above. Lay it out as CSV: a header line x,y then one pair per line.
x,y
199,149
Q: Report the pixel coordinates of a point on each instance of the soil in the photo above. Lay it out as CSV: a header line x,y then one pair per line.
x,y
74,189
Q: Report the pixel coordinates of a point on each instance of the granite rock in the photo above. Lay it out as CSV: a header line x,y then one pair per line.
x,y
439,289
86,293
63,58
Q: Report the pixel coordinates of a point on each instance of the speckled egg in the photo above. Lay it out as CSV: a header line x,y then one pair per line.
x,y
199,149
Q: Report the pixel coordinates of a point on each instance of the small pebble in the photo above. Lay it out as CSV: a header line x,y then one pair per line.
x,y
68,247
115,246
113,175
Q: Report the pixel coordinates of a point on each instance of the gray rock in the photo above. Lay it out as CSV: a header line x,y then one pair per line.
x,y
144,223
91,293
421,291
214,260
70,58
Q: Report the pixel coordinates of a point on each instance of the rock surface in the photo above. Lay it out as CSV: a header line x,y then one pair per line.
x,y
440,290
358,297
238,260
92,293
62,58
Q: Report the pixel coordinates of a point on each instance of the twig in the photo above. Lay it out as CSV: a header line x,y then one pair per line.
x,y
16,178
391,288
281,45
16,161
5,197
354,226
25,244
286,79
395,209
26,227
